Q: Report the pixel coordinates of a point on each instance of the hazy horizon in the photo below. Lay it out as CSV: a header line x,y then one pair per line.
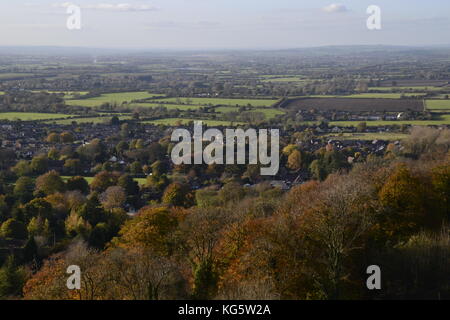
x,y
219,24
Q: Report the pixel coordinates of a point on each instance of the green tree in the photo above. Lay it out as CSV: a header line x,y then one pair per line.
x,y
22,168
72,166
53,154
136,168
205,281
361,127
13,229
121,147
158,168
38,208
39,164
30,250
207,198
78,183
39,226
23,189
231,192
92,211
441,181
12,279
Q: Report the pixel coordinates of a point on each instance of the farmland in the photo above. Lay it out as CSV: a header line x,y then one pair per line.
x,y
284,79
176,121
388,136
30,116
220,101
438,105
269,113
383,95
165,105
355,104
407,89
67,94
111,98
88,120
443,120
347,157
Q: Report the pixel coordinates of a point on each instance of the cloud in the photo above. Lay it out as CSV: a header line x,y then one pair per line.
x,y
335,7
110,6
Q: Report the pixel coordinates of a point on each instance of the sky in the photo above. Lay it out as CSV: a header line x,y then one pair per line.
x,y
223,24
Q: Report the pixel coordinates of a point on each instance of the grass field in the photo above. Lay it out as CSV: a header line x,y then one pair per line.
x,y
354,104
220,101
419,88
182,107
29,116
88,120
383,95
174,122
444,120
388,136
284,79
67,94
268,112
438,104
113,98
11,76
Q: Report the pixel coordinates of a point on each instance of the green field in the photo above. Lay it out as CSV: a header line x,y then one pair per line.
x,y
67,94
284,79
444,120
389,136
406,88
7,76
89,120
438,104
174,122
112,98
382,95
220,101
28,116
182,107
268,112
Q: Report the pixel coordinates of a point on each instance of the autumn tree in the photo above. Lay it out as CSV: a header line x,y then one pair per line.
x,y
403,197
153,229
295,160
113,197
50,183
178,195
104,180
67,137
201,231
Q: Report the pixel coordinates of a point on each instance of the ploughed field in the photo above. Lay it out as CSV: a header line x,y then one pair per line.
x,y
354,104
